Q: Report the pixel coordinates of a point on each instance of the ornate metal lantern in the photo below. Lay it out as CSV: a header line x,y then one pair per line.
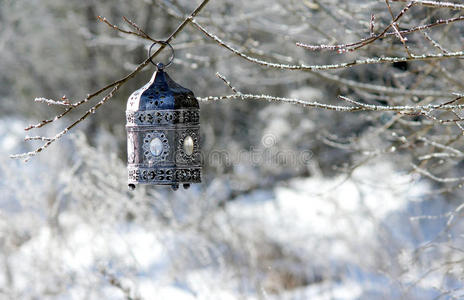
x,y
163,138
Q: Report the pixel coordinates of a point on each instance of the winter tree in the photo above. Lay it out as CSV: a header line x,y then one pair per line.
x,y
331,136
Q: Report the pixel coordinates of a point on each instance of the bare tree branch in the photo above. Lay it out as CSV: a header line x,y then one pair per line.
x,y
115,86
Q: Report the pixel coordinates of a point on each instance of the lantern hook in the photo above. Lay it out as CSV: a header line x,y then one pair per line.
x,y
160,65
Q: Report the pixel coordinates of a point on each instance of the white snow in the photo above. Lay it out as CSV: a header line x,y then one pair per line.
x,y
356,231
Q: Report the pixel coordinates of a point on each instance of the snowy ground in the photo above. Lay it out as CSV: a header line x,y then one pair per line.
x,y
367,237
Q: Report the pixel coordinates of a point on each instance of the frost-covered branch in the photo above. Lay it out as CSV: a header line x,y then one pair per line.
x,y
304,67
437,4
114,86
358,106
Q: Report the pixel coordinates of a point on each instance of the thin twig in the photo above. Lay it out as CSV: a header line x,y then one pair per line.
x,y
64,102
223,78
436,178
395,28
435,4
363,42
368,40
104,20
37,138
434,43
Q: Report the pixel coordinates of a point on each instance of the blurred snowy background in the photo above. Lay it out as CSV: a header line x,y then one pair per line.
x,y
295,203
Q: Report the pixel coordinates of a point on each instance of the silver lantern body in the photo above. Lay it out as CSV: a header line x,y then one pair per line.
x,y
163,138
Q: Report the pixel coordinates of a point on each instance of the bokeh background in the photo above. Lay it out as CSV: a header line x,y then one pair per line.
x,y
295,203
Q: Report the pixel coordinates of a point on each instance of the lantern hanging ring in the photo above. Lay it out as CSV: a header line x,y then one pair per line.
x,y
171,58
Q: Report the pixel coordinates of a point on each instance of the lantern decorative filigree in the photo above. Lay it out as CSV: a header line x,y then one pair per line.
x,y
163,134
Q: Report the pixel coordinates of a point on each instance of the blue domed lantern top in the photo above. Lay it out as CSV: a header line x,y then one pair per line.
x,y
163,124
161,93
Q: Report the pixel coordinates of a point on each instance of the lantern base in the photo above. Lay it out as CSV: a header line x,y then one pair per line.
x,y
174,186
164,176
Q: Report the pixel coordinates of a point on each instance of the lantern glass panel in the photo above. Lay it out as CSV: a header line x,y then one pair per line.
x,y
188,145
156,147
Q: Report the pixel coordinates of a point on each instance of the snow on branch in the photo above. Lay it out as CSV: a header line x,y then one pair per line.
x,y
304,67
115,86
430,111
